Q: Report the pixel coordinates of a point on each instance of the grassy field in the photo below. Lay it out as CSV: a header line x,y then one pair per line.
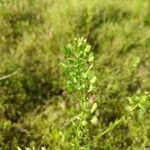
x,y
35,107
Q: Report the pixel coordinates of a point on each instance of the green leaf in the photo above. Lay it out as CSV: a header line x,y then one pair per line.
x,y
67,50
141,106
79,54
91,88
69,86
75,80
80,42
94,120
84,123
93,80
87,49
91,57
84,75
63,65
94,107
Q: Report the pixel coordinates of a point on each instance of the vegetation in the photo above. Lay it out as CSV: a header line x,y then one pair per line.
x,y
106,103
78,65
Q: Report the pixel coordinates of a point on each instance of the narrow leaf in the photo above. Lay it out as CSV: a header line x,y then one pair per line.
x,y
94,107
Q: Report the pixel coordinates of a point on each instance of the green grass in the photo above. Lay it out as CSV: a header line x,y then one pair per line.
x,y
34,103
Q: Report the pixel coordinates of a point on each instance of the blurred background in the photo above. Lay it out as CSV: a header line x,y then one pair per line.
x,y
33,103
